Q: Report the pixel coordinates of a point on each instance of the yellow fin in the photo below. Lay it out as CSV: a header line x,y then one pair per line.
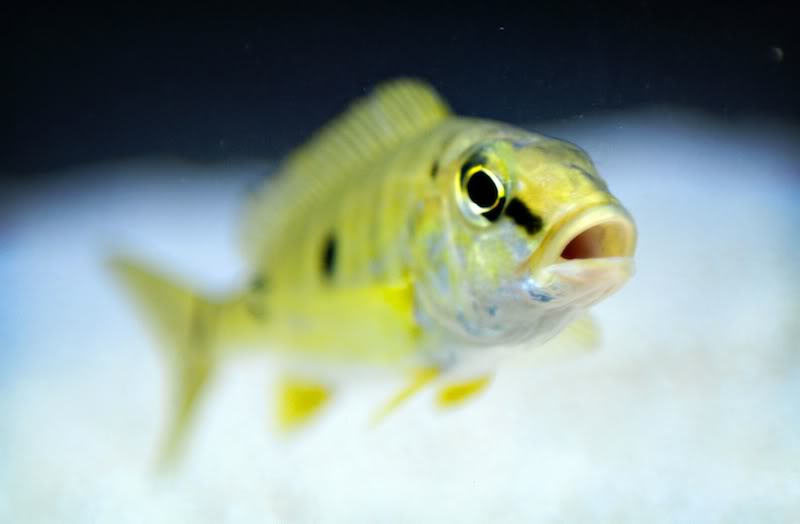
x,y
579,338
393,113
421,378
186,324
459,392
584,332
399,296
298,401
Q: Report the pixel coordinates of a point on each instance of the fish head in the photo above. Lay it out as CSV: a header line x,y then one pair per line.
x,y
536,238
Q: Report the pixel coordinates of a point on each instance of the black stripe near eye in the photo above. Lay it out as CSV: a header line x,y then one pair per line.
x,y
519,213
493,214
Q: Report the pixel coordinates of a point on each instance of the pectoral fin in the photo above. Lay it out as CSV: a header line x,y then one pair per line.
x,y
579,338
457,393
298,401
584,332
421,378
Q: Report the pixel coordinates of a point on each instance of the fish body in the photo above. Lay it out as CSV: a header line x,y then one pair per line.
x,y
406,237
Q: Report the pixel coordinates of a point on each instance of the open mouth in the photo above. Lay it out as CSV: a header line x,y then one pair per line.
x,y
600,232
586,257
600,241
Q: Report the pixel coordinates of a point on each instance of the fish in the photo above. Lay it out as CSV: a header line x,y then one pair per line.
x,y
399,237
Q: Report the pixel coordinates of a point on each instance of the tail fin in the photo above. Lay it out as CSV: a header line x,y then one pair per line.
x,y
185,323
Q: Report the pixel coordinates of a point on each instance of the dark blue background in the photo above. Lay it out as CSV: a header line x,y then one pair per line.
x,y
85,86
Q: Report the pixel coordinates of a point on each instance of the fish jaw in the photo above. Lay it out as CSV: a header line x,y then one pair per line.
x,y
581,282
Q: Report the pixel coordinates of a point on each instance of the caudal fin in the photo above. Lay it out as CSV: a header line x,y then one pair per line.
x,y
185,324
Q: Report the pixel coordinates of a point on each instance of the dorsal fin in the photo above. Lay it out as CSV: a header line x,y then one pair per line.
x,y
393,113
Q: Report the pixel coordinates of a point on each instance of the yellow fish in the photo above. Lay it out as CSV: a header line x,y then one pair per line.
x,y
402,236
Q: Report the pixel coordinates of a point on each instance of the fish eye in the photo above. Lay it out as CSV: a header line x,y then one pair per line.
x,y
484,191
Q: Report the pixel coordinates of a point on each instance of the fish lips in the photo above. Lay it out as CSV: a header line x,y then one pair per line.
x,y
591,280
580,282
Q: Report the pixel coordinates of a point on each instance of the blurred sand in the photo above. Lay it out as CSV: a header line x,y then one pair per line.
x,y
689,413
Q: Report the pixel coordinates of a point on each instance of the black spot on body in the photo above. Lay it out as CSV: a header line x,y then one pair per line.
x,y
519,213
259,283
434,169
329,256
255,300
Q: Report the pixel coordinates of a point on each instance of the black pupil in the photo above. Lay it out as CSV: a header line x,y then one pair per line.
x,y
482,190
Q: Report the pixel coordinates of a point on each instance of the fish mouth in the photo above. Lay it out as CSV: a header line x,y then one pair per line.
x,y
588,255
604,231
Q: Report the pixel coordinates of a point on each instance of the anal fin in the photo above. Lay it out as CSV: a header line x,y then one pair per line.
x,y
457,393
420,379
298,401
